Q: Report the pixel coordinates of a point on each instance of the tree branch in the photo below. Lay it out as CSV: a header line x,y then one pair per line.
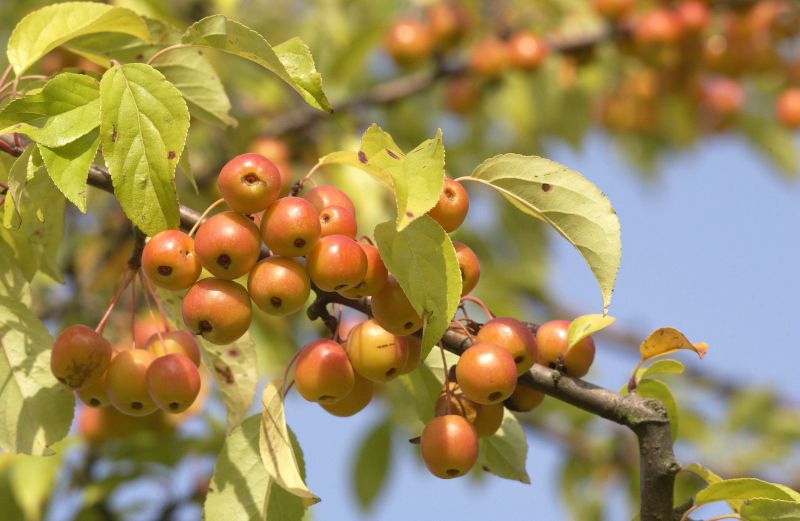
x,y
302,117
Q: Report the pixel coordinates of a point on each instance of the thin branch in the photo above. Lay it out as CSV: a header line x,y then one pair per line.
x,y
391,91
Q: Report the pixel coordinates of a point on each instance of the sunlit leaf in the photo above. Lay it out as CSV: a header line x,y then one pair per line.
x,y
234,369
51,26
35,410
565,200
233,37
658,367
67,108
416,178
275,445
68,166
423,260
743,489
586,325
760,509
143,132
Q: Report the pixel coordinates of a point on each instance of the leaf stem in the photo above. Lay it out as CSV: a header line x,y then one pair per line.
x,y
448,395
480,303
165,50
203,216
122,283
152,291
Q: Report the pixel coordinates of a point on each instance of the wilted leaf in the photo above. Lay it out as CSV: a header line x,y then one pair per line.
x,y
667,340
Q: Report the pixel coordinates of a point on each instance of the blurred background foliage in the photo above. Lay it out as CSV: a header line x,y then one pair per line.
x,y
650,101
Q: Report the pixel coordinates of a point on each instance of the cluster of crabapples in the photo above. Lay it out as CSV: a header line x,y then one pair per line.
x,y
311,244
687,47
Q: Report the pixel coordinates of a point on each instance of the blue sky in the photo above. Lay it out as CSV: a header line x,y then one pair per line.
x,y
710,247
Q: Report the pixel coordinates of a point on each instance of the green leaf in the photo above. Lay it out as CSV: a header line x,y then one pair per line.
x,y
275,444
667,366
760,509
424,388
45,29
190,71
586,325
504,452
233,37
423,260
743,489
143,132
67,108
372,461
68,166
415,178
567,201
234,369
660,391
238,488
186,169
35,410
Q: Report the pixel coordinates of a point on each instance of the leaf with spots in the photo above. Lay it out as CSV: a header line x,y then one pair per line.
x,y
45,29
423,260
234,369
665,340
143,131
291,61
277,449
416,178
565,200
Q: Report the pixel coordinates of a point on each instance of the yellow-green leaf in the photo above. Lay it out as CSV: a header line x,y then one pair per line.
x,y
45,29
234,369
667,340
658,390
35,410
585,325
504,452
423,260
743,489
761,509
416,178
68,166
228,35
668,366
143,132
275,445
565,200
